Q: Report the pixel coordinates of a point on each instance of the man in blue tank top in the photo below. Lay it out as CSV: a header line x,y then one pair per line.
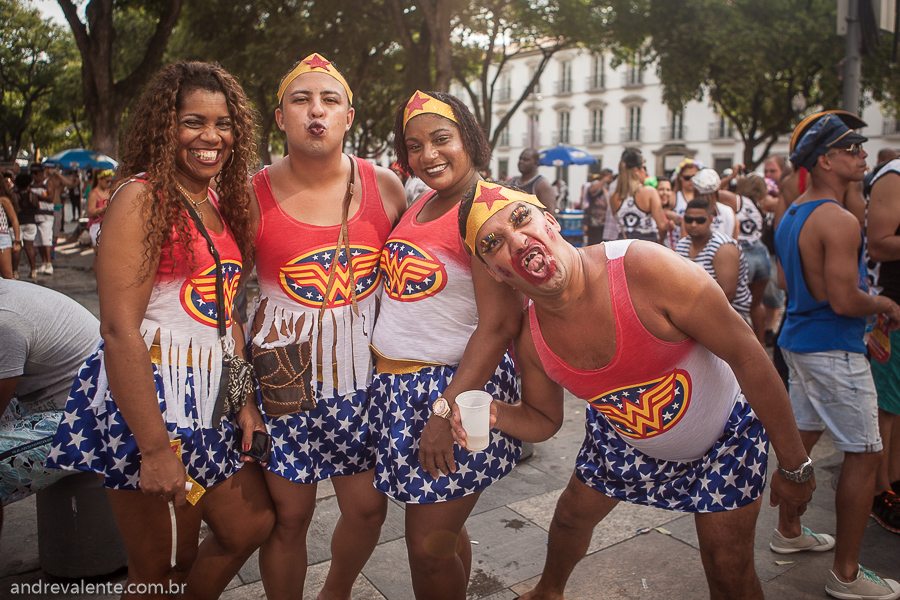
x,y
820,248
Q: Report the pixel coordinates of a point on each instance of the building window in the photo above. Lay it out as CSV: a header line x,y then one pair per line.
x,y
633,131
563,119
595,133
502,169
597,78
675,129
564,85
533,135
721,129
537,84
634,76
505,91
503,138
720,163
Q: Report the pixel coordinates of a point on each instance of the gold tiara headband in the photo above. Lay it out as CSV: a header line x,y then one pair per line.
x,y
314,63
421,103
490,199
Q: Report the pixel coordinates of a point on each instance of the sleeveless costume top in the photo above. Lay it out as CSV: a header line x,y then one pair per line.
x,y
293,262
671,407
428,295
182,310
634,223
750,221
705,257
889,270
810,325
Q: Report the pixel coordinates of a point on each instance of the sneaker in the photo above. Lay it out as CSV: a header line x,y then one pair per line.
x,y
886,511
42,269
817,542
49,269
866,586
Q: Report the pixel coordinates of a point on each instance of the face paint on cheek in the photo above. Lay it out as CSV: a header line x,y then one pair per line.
x,y
550,232
505,272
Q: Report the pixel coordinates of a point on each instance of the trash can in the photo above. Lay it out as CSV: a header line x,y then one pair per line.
x,y
77,535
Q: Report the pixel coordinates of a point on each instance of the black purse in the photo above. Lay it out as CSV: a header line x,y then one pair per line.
x,y
236,380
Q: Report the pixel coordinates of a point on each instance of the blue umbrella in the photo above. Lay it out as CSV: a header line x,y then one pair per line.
x,y
561,156
83,159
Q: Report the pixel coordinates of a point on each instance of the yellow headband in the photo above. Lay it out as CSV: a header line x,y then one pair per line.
x,y
314,62
421,103
490,199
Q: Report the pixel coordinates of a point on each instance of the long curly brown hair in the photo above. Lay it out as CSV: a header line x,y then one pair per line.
x,y
151,146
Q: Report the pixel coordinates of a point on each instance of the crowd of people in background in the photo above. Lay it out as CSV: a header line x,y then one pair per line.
x,y
386,293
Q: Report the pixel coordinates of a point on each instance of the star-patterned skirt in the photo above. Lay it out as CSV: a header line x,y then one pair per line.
x,y
399,408
731,474
326,442
98,440
23,450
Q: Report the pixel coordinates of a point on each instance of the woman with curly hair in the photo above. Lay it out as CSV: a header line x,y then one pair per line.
x,y
141,410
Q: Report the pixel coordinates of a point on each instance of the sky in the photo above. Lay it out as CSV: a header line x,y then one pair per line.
x,y
50,9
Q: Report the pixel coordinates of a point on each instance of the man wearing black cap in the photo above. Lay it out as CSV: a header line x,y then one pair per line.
x,y
819,246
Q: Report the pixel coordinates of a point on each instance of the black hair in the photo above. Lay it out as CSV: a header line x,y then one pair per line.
x,y
473,138
701,203
632,158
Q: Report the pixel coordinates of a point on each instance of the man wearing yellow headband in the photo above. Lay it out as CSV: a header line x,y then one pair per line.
x,y
670,372
321,218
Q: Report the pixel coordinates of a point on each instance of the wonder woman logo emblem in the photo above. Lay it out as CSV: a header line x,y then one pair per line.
x,y
410,273
644,411
198,295
305,277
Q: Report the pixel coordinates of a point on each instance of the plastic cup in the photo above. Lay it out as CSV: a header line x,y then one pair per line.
x,y
475,413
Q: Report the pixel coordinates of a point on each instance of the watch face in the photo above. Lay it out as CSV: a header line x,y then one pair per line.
x,y
440,406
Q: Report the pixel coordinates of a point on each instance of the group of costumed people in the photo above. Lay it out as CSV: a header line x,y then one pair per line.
x,y
371,319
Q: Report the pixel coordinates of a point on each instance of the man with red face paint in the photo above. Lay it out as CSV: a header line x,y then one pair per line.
x,y
670,373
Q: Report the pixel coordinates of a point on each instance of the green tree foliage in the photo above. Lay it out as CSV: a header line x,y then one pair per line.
x,y
260,41
34,53
760,62
119,54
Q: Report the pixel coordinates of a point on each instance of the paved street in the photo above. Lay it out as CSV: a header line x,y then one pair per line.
x,y
509,528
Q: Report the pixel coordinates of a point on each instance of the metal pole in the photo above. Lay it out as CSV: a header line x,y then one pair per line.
x,y
852,60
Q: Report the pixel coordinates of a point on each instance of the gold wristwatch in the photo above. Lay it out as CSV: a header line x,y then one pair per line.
x,y
441,408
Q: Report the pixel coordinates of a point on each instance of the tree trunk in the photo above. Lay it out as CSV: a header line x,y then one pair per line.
x,y
105,100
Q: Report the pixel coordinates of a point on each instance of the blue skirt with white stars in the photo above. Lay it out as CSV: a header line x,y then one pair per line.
x,y
400,405
731,474
97,439
330,440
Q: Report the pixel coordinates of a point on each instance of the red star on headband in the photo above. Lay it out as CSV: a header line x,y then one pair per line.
x,y
489,195
417,102
317,62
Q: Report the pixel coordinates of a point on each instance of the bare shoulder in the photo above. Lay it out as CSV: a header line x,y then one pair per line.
x,y
131,196
392,193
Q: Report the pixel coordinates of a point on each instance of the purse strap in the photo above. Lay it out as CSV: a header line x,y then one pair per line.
x,y
343,240
220,287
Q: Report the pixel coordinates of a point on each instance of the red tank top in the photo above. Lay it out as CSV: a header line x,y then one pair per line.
x,y
670,400
293,262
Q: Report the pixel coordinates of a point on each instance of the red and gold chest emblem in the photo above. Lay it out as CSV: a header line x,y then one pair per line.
x,y
411,273
648,409
305,277
198,295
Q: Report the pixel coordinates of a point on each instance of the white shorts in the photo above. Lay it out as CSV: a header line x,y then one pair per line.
x,y
29,231
44,230
94,231
5,240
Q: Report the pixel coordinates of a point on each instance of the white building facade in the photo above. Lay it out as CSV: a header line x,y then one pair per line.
x,y
582,101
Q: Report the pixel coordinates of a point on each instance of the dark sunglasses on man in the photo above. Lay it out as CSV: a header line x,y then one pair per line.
x,y
697,220
852,149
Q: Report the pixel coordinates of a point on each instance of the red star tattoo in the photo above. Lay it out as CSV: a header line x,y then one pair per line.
x,y
317,62
489,195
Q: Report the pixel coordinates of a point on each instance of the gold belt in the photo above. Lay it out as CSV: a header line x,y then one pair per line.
x,y
398,366
156,356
